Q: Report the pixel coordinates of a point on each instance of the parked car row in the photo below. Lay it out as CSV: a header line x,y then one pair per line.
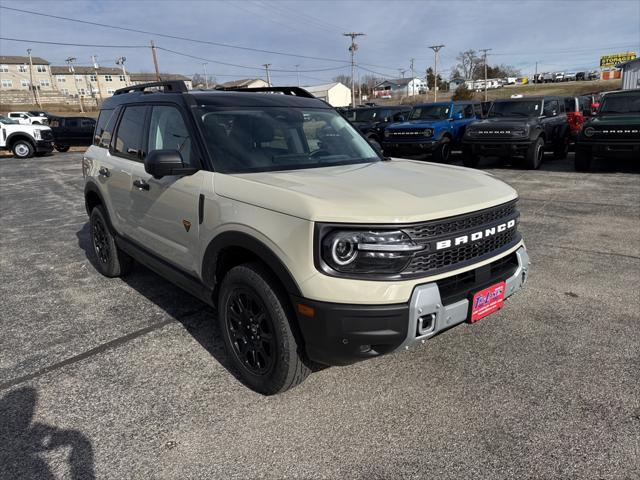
x,y
552,77
36,133
520,129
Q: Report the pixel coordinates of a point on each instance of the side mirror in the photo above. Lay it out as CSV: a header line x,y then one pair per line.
x,y
160,163
376,146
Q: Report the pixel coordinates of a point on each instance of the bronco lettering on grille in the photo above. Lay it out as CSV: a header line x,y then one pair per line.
x,y
475,236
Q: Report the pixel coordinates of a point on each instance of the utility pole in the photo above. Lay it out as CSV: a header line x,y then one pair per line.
x,y
33,88
485,50
413,75
298,73
401,72
266,67
206,79
436,49
352,48
70,61
535,79
94,59
120,61
155,60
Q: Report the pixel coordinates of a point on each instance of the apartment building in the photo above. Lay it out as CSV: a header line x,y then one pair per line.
x,y
14,73
138,78
88,81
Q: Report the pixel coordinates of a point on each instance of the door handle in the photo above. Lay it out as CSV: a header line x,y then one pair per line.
x,y
141,185
104,172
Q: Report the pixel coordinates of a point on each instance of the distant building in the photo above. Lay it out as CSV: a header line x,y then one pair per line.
x,y
455,83
400,87
138,78
14,73
88,81
630,74
335,94
246,83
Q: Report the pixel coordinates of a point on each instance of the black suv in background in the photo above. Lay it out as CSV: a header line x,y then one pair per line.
x,y
519,127
71,131
372,121
614,133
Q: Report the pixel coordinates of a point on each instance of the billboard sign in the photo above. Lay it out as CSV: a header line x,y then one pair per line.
x,y
612,60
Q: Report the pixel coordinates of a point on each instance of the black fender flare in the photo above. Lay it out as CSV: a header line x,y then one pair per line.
x,y
11,138
91,187
234,238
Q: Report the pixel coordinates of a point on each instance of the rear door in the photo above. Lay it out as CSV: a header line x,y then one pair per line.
x,y
164,212
87,126
71,130
552,119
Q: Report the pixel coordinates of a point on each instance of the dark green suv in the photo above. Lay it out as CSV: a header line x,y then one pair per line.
x,y
614,132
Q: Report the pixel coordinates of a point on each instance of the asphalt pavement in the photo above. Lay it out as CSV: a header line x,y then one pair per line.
x,y
127,378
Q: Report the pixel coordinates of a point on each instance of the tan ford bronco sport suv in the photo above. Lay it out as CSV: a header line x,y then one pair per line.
x,y
314,247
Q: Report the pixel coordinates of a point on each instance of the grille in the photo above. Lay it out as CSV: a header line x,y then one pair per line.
x,y
434,262
409,133
618,133
46,134
460,223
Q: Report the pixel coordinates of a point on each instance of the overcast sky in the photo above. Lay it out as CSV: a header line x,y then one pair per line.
x,y
560,34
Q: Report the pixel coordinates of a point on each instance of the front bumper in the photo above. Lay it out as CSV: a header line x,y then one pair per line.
x,y
498,146
613,150
44,146
340,334
410,147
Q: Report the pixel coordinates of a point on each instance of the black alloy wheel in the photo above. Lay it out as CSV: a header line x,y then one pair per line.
x,y
251,331
101,241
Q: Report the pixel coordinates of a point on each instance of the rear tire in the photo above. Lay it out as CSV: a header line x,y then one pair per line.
x,y
111,261
23,149
535,152
469,158
62,148
255,321
443,152
583,160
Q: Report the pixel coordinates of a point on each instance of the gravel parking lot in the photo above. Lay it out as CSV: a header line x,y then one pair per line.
x,y
126,378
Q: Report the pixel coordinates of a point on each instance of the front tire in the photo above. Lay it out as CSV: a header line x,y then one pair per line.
x,y
23,149
443,152
255,321
111,261
583,160
535,152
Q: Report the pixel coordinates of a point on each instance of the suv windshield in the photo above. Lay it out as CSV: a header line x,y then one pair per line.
x,y
262,139
7,121
531,108
620,104
430,112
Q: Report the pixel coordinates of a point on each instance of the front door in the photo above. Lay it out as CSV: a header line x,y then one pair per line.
x,y
164,212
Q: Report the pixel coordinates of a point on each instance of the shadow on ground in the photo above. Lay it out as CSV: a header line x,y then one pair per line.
x,y
22,442
198,318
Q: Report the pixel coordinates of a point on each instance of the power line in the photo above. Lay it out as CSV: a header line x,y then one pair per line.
x,y
174,37
71,44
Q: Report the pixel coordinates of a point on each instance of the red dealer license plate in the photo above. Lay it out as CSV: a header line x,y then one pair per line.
x,y
487,301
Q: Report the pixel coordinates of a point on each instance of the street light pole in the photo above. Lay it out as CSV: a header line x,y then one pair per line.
x,y
485,50
70,61
352,48
120,61
266,67
33,88
436,49
206,79
298,73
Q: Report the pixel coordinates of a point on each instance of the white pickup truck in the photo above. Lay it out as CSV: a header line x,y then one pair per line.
x,y
25,141
26,118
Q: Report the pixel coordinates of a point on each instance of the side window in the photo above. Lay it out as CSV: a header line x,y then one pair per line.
x,y
103,118
168,131
550,106
468,111
87,123
477,110
72,123
129,135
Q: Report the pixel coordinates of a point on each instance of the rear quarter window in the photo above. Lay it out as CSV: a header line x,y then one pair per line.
x,y
101,125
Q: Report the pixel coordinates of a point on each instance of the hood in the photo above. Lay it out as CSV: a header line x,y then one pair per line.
x,y
505,121
23,128
630,119
399,191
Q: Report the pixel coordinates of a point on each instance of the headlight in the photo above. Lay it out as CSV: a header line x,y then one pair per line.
x,y
470,132
428,132
373,252
36,134
520,132
589,131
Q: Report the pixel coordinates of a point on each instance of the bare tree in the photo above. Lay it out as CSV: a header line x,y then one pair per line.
x,y
467,63
344,79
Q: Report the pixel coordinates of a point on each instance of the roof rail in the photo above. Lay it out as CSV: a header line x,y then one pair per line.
x,y
293,91
168,86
